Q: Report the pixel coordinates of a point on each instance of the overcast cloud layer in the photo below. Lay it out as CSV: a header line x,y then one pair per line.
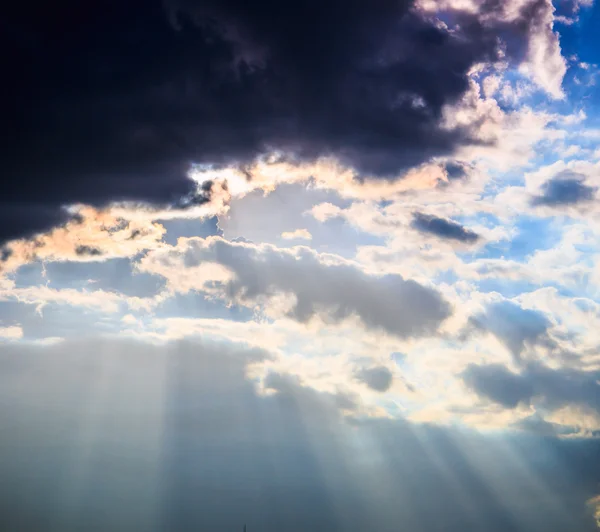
x,y
319,265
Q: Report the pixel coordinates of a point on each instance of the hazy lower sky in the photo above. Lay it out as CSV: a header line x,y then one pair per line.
x,y
329,266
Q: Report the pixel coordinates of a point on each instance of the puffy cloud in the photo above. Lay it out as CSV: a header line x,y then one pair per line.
x,y
543,61
586,169
13,332
576,319
301,284
298,234
506,137
567,187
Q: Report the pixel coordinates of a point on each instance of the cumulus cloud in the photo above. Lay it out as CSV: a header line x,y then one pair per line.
x,y
543,61
301,284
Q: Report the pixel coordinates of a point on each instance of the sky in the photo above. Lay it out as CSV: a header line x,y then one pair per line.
x,y
328,266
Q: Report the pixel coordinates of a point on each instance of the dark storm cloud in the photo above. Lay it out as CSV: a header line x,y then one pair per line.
x,y
378,378
108,100
122,435
442,228
567,188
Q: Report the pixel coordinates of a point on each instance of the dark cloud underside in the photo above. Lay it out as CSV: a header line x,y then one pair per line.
x,y
498,384
391,303
378,378
565,189
548,388
516,328
112,100
442,228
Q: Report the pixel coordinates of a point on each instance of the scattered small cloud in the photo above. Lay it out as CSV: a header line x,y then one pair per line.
x,y
298,234
567,188
13,332
377,378
442,228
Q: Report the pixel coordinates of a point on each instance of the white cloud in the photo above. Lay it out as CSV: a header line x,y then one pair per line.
x,y
13,332
95,235
97,300
543,62
298,234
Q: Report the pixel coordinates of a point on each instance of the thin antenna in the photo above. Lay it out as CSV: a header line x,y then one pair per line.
x,y
244,527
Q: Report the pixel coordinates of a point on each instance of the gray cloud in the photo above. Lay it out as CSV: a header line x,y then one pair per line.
x,y
290,386
442,228
514,326
498,384
332,291
567,188
377,378
549,388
